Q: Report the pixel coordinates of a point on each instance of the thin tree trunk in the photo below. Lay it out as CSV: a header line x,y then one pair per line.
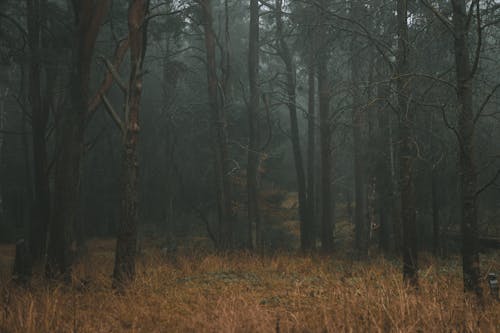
x,y
2,140
408,213
436,229
286,56
28,182
311,157
219,136
384,177
126,244
225,62
326,162
396,191
41,216
466,158
359,124
253,107
325,134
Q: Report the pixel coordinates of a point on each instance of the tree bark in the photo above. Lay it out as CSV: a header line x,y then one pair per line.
x,y
126,244
70,140
359,124
2,140
253,107
39,111
466,155
325,137
326,164
218,126
408,212
436,228
310,240
286,56
385,186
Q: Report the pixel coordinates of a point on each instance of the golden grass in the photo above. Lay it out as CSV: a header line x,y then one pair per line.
x,y
245,293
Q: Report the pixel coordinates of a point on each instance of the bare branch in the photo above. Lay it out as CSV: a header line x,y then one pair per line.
x,y
488,184
446,22
485,102
118,57
479,41
121,83
112,113
265,99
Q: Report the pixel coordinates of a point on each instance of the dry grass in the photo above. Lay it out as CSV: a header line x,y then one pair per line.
x,y
243,293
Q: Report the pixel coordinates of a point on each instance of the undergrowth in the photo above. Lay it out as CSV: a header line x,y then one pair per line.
x,y
247,293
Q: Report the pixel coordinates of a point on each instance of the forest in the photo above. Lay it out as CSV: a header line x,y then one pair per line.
x,y
249,166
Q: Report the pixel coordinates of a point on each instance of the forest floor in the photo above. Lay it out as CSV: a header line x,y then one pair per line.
x,y
247,293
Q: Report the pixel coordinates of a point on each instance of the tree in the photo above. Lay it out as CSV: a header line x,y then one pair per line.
x,y
70,130
406,150
253,108
40,114
325,134
218,126
124,270
359,124
309,236
466,156
290,75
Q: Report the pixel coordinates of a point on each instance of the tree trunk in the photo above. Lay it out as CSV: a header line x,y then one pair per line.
x,y
2,140
436,229
253,108
325,143
310,240
384,178
286,56
408,212
39,111
359,124
126,244
70,140
466,157
219,136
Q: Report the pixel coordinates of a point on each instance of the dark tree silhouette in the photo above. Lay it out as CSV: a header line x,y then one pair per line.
x,y
253,127
88,16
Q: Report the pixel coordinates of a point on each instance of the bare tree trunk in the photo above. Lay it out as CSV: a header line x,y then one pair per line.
x,y
408,213
436,228
70,140
225,61
326,164
325,134
286,56
126,243
2,140
27,152
466,158
39,110
396,191
219,136
325,146
383,173
310,240
253,108
359,124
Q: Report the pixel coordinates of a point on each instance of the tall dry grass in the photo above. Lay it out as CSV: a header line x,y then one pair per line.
x,y
245,293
